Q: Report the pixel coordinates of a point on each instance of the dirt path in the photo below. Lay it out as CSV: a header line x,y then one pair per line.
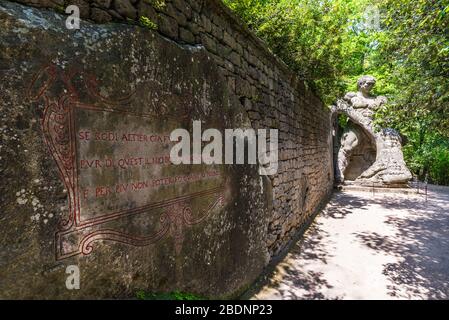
x,y
363,247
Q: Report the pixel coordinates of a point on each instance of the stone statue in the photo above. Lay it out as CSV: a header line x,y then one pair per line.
x,y
389,168
363,98
349,141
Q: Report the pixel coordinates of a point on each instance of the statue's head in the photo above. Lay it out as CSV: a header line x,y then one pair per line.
x,y
365,84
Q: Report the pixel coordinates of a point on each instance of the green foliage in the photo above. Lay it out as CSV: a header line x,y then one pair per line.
x,y
413,56
60,9
147,23
414,52
343,121
314,37
176,295
330,44
429,157
157,4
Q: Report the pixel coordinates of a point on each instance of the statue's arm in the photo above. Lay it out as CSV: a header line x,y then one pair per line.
x,y
349,96
380,101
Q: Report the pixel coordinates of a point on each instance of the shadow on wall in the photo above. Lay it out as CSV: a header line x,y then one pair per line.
x,y
421,244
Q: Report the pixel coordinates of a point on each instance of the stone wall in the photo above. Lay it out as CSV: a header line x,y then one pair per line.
x,y
181,58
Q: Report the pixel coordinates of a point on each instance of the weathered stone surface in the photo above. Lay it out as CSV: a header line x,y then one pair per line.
x,y
168,26
357,152
103,3
125,8
100,16
146,10
183,7
77,117
186,35
389,168
262,84
43,3
83,6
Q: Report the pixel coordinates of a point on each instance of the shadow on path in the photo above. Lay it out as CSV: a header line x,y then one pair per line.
x,y
397,244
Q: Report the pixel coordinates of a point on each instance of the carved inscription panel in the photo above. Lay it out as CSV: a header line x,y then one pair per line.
x,y
115,164
123,162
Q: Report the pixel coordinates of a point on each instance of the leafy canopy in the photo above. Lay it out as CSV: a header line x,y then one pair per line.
x,y
403,43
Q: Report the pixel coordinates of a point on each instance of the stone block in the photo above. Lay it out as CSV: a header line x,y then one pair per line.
x,y
125,9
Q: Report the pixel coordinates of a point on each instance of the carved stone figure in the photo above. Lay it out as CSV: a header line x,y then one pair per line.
x,y
389,168
363,98
349,141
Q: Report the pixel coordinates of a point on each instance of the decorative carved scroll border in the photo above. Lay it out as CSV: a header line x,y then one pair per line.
x,y
58,126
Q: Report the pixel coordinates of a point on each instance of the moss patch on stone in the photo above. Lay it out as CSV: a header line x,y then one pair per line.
x,y
147,23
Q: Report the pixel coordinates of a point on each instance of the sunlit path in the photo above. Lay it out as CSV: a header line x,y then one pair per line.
x,y
363,247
